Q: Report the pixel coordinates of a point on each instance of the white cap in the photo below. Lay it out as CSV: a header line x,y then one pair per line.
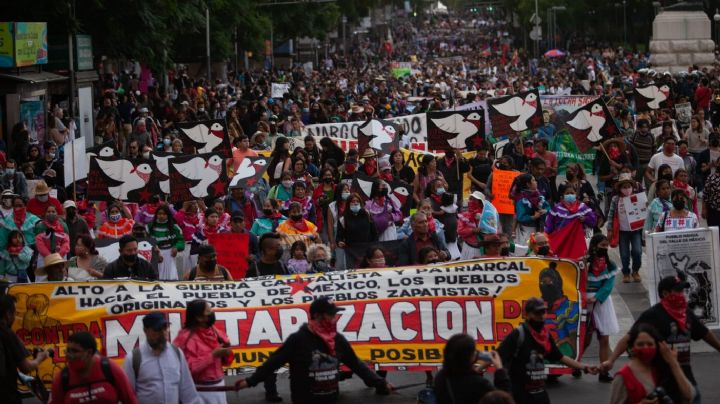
x,y
478,195
69,204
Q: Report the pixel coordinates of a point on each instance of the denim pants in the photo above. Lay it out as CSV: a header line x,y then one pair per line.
x,y
631,240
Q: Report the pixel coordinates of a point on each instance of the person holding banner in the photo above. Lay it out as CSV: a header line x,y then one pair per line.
x,y
628,236
567,223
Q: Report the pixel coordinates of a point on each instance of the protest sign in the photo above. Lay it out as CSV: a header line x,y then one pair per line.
x,y
345,134
476,106
397,318
197,176
232,251
652,97
563,144
695,253
111,178
400,69
76,161
591,124
515,113
633,209
380,135
501,183
205,137
455,130
278,89
683,112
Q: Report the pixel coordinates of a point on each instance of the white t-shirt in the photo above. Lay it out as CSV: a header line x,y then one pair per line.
x,y
675,162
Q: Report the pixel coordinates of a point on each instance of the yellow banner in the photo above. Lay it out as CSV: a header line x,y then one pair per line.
x,y
395,318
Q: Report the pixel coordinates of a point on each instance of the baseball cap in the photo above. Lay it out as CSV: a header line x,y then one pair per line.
x,y
155,320
672,283
478,195
324,305
69,204
535,304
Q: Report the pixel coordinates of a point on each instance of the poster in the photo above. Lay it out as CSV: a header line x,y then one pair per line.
x,y
501,183
76,161
455,130
278,89
7,48
591,124
652,97
683,112
232,251
397,318
696,253
634,209
380,135
563,144
32,113
31,46
345,134
83,46
515,113
197,176
112,178
400,69
205,137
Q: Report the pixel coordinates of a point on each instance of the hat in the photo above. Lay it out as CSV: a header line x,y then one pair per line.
x,y
672,283
369,109
184,103
356,109
478,195
368,153
206,249
155,320
42,188
143,110
256,134
384,165
619,142
8,192
323,305
69,204
535,304
50,260
625,178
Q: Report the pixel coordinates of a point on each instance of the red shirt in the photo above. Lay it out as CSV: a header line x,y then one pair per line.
x,y
702,97
420,244
95,388
551,162
38,208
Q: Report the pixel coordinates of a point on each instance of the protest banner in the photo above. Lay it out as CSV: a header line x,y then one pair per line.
x,y
278,89
683,112
563,144
397,318
114,178
76,161
633,209
515,113
696,253
232,250
400,69
455,130
501,182
197,176
476,106
205,137
652,97
591,124
345,134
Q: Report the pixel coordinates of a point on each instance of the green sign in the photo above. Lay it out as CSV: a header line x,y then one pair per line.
x,y
83,46
399,69
6,44
31,47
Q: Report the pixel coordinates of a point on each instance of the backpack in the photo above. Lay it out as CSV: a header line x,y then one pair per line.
x,y
137,359
106,370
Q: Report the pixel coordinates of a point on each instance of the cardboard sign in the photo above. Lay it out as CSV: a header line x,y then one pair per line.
x,y
634,208
278,89
232,250
501,183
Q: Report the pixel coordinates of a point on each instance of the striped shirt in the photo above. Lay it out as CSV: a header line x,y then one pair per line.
x,y
644,146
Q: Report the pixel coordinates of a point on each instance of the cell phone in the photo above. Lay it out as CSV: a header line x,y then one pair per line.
x,y
483,356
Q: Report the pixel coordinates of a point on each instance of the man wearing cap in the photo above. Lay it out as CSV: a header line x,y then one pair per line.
x,y
42,199
525,350
14,180
157,370
75,223
314,354
675,322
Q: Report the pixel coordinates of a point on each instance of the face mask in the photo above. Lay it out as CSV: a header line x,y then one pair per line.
x,y
626,191
678,204
51,155
601,252
158,343
683,153
440,191
43,198
320,266
677,300
129,258
267,212
549,292
569,176
667,177
544,250
115,218
166,142
570,198
296,218
51,217
210,319
614,153
505,251
9,172
287,184
384,192
349,168
354,208
209,265
536,325
345,195
328,180
645,355
19,211
76,365
377,262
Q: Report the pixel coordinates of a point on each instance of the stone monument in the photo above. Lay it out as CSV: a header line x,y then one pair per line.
x,y
682,38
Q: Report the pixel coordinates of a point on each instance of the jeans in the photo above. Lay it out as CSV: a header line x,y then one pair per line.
x,y
631,240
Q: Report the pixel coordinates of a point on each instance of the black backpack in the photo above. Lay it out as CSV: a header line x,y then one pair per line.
x,y
104,365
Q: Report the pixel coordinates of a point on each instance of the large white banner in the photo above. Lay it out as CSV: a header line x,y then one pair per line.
x,y
696,253
345,134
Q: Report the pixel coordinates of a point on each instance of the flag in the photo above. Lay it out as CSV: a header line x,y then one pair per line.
x,y
569,241
515,113
249,172
111,178
362,184
205,137
455,129
652,97
591,124
380,135
197,176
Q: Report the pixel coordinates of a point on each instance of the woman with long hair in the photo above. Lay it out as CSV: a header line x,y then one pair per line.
x,y
383,211
356,224
15,259
118,222
86,264
427,173
279,160
169,240
51,235
399,169
374,258
530,208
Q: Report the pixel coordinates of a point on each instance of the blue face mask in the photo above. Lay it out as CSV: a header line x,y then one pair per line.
x,y
355,208
440,191
570,198
345,195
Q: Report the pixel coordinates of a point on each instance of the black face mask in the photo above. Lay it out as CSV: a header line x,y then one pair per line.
x,y
328,180
129,258
210,319
505,251
384,192
601,252
296,218
678,204
320,266
267,212
714,142
159,343
209,265
536,325
544,250
667,177
549,292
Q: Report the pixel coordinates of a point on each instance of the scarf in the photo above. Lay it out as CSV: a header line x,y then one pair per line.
x,y
387,176
210,337
541,337
211,229
449,163
301,225
431,224
670,303
370,167
19,215
437,198
302,201
572,207
54,226
534,197
326,330
15,250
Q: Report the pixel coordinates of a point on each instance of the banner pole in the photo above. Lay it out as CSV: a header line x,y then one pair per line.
x,y
73,171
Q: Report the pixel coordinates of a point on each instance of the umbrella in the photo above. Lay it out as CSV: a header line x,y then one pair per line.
x,y
554,53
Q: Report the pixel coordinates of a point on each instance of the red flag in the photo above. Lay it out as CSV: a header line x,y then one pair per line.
x,y
515,58
232,251
569,241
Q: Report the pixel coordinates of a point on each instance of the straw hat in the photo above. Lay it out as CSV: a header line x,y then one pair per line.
x,y
356,109
624,178
368,153
42,188
619,142
50,260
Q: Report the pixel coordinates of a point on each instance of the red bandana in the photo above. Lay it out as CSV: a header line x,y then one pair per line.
x,y
676,308
541,337
598,265
326,330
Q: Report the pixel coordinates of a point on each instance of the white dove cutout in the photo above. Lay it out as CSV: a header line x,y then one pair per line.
x,y
132,177
655,94
401,191
210,137
379,134
247,169
105,151
461,126
145,249
162,165
593,120
206,172
522,108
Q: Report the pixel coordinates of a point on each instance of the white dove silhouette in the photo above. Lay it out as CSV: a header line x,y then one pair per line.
x,y
655,95
522,108
379,134
593,120
162,164
210,137
248,168
132,177
461,126
207,171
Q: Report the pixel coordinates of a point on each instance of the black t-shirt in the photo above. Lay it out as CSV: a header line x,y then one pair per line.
x,y
481,170
276,268
13,353
527,368
671,333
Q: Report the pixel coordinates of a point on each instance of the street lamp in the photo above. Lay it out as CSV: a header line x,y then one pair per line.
x,y
555,9
716,18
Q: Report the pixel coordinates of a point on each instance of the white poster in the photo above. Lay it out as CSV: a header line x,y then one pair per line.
x,y
85,107
634,209
76,161
278,89
696,253
684,112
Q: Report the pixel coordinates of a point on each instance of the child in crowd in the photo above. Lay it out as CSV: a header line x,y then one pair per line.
x,y
298,263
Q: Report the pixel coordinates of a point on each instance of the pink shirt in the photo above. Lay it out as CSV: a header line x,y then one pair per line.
x,y
197,345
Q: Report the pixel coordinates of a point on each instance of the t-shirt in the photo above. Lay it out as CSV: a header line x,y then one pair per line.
x,y
14,353
276,268
550,160
675,162
527,368
94,388
671,333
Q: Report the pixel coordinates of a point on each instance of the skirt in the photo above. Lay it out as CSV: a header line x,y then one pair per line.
x,y
454,251
213,397
390,234
604,317
167,270
469,252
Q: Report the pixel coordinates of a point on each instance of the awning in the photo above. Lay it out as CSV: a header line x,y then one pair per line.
x,y
42,77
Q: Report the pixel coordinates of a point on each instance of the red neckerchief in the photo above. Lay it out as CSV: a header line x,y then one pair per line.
x,y
326,330
211,229
301,226
573,207
431,224
678,314
437,198
450,162
380,200
150,208
541,337
14,250
682,185
19,217
387,176
598,265
56,227
370,168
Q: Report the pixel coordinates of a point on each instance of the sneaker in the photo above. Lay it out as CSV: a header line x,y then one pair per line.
x,y
605,378
627,278
636,277
273,398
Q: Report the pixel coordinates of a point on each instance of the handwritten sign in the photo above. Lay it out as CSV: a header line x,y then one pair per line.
x,y
232,250
501,182
279,89
634,207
